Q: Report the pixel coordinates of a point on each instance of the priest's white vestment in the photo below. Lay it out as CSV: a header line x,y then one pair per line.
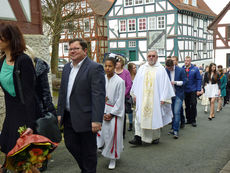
x,y
151,86
111,134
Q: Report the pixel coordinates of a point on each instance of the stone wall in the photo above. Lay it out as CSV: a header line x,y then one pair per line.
x,y
40,45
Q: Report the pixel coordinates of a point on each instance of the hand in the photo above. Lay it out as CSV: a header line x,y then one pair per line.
x,y
59,119
134,99
107,117
162,102
28,132
96,127
173,82
219,93
198,93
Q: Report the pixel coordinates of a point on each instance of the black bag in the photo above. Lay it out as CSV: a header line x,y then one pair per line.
x,y
128,105
48,126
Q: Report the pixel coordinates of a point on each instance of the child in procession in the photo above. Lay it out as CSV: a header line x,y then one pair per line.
x,y
110,138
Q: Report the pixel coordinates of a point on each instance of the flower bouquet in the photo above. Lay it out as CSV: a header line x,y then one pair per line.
x,y
30,151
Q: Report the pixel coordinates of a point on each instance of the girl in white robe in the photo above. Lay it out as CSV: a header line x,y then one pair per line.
x,y
111,135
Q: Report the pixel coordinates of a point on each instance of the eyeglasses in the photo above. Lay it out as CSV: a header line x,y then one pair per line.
x,y
151,56
74,49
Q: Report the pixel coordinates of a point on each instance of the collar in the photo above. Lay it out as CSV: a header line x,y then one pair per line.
x,y
78,65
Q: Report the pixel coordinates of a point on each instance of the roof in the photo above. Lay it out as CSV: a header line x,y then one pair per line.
x,y
100,7
202,7
218,18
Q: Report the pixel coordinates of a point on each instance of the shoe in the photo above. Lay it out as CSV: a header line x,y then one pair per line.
x,y
205,111
209,118
188,122
156,141
217,110
136,140
130,127
170,132
112,164
175,135
194,124
182,125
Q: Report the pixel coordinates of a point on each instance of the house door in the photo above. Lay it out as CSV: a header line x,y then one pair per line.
x,y
132,55
228,60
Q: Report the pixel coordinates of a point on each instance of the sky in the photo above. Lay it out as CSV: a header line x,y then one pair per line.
x,y
216,5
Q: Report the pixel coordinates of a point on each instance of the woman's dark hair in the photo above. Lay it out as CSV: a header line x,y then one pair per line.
x,y
210,71
113,60
130,67
12,34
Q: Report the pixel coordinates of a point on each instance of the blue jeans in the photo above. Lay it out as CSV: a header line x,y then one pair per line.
x,y
176,109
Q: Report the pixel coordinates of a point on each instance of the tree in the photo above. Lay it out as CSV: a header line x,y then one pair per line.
x,y
54,15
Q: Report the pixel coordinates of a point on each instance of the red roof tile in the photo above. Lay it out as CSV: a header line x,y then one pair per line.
x,y
100,7
202,7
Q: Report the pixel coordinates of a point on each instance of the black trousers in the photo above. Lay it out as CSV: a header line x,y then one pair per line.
x,y
190,106
81,145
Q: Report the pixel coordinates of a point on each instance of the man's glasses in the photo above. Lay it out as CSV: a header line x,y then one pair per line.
x,y
74,49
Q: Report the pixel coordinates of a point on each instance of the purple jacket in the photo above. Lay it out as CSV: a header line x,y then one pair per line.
x,y
125,75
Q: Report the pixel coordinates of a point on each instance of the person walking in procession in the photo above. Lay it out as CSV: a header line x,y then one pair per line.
x,y
192,90
111,136
152,91
81,105
178,81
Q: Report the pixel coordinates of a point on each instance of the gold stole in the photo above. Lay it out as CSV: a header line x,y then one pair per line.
x,y
148,98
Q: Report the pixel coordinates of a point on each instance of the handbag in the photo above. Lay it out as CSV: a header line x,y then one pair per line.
x,y
48,126
128,104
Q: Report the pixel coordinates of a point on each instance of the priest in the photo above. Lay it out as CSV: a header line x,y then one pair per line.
x,y
152,91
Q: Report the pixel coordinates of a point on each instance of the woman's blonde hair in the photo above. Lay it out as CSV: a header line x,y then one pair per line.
x,y
121,60
29,51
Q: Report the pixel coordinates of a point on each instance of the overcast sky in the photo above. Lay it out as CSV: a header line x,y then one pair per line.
x,y
216,5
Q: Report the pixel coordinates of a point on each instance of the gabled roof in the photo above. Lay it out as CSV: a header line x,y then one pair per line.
x,y
100,7
202,7
220,15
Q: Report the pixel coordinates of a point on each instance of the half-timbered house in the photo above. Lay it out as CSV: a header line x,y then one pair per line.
x,y
221,33
91,26
172,27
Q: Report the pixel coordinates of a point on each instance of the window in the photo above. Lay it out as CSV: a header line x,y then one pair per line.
x,y
86,27
205,26
161,52
152,23
138,2
195,47
132,43
128,2
205,47
142,24
122,27
195,24
66,50
149,1
228,32
186,1
132,25
160,22
194,2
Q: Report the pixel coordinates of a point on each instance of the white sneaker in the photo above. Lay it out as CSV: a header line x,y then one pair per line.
x,y
112,164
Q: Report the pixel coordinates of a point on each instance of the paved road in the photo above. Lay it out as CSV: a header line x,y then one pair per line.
x,y
201,149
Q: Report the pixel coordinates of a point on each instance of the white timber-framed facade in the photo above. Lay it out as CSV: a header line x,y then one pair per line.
x,y
221,29
172,27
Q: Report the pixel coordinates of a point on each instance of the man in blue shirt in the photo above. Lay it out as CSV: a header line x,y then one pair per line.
x,y
192,90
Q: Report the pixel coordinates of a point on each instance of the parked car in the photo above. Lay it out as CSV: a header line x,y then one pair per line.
x,y
61,63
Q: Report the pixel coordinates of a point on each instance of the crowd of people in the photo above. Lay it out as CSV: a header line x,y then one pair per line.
x,y
94,100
